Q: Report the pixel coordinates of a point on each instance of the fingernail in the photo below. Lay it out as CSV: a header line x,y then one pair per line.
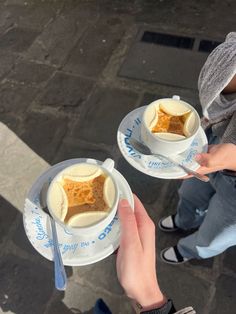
x,y
198,157
124,203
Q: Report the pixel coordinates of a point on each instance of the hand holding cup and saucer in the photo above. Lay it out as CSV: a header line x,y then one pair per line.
x,y
181,149
84,238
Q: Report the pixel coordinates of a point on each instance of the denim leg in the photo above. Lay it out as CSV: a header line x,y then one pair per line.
x,y
101,308
218,230
194,199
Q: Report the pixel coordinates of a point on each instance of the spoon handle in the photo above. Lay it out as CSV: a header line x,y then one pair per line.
x,y
59,269
197,175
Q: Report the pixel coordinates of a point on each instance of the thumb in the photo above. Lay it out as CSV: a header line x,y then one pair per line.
x,y
203,159
129,230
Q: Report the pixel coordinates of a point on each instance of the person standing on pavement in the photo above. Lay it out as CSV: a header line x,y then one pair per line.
x,y
210,207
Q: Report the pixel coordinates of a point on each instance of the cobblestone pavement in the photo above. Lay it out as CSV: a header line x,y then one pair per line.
x,y
61,97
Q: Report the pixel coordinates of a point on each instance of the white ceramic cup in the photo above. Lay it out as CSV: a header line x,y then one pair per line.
x,y
164,146
106,168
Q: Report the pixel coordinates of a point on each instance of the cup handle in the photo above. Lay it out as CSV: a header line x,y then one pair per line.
x,y
176,97
108,164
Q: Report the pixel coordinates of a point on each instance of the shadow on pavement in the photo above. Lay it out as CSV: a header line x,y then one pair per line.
x,y
27,281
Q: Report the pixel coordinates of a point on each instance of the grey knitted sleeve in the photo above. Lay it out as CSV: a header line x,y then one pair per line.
x,y
229,135
217,72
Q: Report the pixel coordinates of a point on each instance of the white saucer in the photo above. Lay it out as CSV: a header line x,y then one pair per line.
x,y
130,126
76,250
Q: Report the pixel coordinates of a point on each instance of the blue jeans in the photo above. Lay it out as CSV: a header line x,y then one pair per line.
x,y
101,308
210,206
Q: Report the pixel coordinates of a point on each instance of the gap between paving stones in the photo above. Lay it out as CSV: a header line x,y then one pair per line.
x,y
211,295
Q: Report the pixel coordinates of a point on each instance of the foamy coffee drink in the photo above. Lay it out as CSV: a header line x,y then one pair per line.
x,y
172,120
82,195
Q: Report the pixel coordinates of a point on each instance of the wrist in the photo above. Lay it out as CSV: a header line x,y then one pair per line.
x,y
231,162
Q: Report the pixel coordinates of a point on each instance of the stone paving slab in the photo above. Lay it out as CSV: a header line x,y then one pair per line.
x,y
104,111
224,300
21,281
148,98
26,14
64,90
102,275
30,73
83,60
165,65
197,16
7,62
17,39
16,98
229,259
7,214
55,42
83,298
182,287
147,188
39,135
57,306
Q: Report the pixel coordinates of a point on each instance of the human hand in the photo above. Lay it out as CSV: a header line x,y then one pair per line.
x,y
136,258
218,157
